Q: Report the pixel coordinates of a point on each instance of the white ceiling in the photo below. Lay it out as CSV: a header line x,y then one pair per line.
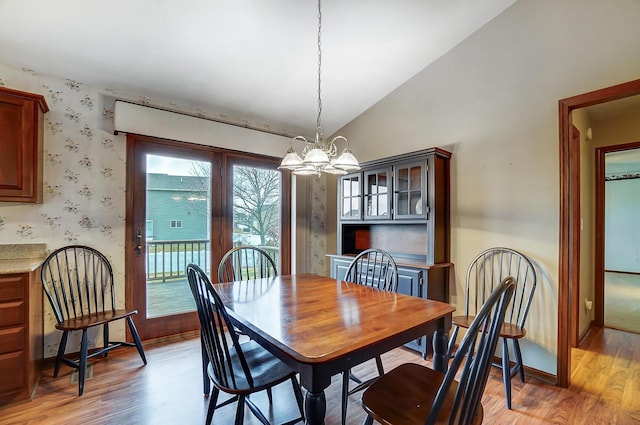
x,y
247,61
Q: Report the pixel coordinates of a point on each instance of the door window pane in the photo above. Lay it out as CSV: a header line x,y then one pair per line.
x,y
178,195
256,209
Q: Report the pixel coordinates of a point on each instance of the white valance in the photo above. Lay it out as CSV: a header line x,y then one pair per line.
x,y
150,121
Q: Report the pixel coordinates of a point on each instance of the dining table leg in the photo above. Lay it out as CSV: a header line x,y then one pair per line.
x,y
440,350
315,407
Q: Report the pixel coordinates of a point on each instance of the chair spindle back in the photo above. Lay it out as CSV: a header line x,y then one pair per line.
x,y
493,265
217,333
375,268
246,263
476,351
78,281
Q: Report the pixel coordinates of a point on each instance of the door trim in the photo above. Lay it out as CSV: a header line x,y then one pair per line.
x,y
599,223
565,107
574,152
151,328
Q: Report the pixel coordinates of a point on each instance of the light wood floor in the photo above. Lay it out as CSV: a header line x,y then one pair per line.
x,y
605,390
622,301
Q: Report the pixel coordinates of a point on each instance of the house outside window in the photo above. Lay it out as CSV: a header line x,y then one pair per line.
x,y
149,230
176,224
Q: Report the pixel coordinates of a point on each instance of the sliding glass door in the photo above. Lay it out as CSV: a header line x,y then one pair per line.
x,y
190,204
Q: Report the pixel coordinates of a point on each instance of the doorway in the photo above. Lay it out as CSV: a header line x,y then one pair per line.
x,y
190,204
569,213
618,236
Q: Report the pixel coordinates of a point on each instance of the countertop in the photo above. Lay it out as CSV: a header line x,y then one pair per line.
x,y
21,258
402,261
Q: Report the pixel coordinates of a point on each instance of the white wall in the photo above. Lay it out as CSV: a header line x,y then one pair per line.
x,y
493,101
622,225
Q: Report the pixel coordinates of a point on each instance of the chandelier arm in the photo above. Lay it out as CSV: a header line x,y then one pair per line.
x,y
333,141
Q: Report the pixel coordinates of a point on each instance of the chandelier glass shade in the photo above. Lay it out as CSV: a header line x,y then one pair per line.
x,y
318,156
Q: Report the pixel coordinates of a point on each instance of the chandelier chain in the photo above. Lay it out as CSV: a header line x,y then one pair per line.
x,y
318,126
319,157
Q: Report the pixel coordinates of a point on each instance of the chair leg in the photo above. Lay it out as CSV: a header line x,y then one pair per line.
x,y
136,339
298,393
452,341
105,338
61,348
506,372
519,366
213,399
379,364
345,395
270,396
206,382
82,363
240,410
254,409
368,420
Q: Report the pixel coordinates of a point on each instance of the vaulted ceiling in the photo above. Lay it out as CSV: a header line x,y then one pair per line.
x,y
247,61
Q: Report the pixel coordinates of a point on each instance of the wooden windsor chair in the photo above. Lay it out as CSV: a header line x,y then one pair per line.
x,y
78,282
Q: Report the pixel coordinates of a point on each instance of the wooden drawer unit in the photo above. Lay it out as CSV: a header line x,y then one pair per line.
x,y
20,335
12,313
12,372
11,339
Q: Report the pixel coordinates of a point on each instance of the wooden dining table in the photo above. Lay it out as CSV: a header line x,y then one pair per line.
x,y
321,326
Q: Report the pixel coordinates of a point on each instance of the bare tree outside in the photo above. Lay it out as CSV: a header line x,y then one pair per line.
x,y
256,203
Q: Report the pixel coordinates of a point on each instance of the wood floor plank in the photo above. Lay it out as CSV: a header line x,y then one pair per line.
x,y
604,390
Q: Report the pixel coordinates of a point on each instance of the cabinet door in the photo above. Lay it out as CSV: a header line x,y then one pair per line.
x,y
339,267
350,197
410,283
410,200
377,194
21,138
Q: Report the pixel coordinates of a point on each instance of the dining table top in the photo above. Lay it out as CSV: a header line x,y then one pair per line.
x,y
318,319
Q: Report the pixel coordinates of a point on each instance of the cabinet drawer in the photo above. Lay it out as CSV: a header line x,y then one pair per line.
x,y
11,340
12,371
12,313
12,287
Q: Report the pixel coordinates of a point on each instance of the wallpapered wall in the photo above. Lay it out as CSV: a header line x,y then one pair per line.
x,y
84,181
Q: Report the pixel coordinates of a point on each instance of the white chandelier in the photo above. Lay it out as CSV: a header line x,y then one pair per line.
x,y
319,156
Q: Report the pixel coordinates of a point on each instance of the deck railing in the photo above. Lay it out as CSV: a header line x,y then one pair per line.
x,y
169,259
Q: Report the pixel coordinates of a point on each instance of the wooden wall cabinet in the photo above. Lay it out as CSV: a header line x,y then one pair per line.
x,y
21,145
400,204
21,335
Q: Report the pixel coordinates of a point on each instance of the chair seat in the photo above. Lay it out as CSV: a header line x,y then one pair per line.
x,y
266,370
100,318
418,386
508,330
